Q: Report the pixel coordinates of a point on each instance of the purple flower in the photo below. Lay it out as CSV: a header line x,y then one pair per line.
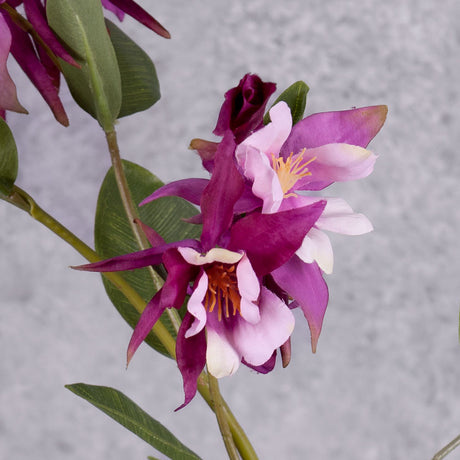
x,y
37,52
244,106
280,160
234,314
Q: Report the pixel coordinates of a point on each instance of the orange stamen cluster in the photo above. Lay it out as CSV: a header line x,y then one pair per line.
x,y
222,290
289,171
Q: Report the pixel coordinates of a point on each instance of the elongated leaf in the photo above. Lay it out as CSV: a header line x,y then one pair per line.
x,y
122,409
96,86
296,98
8,159
113,235
139,82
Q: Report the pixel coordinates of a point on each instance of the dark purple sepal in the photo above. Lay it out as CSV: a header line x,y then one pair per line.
x,y
188,189
152,312
23,51
131,8
190,356
220,195
206,150
264,368
155,239
243,109
270,240
36,14
180,273
139,259
304,282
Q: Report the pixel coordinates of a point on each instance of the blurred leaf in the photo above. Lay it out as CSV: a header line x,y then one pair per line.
x,y
126,412
296,98
139,82
113,235
8,159
96,86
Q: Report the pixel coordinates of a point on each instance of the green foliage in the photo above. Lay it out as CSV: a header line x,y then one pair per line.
x,y
296,98
113,234
122,409
139,82
96,85
8,159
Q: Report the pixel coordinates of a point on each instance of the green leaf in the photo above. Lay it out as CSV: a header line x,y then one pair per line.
x,y
8,159
296,98
96,86
126,412
113,235
139,82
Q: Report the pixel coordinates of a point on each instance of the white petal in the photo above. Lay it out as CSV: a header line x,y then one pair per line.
x,y
257,342
221,358
196,308
249,289
214,255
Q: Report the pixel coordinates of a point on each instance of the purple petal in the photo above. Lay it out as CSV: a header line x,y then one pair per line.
x,y
8,95
257,342
154,238
271,239
139,259
266,367
305,283
188,189
114,9
191,357
180,273
220,195
152,312
139,14
23,51
356,126
36,14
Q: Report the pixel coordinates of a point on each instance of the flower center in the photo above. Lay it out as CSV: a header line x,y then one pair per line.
x,y
289,171
222,290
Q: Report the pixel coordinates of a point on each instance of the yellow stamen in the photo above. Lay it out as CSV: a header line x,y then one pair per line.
x,y
222,290
289,171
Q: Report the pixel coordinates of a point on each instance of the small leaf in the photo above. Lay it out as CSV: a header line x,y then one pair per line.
x,y
8,159
126,412
296,98
113,235
96,85
139,82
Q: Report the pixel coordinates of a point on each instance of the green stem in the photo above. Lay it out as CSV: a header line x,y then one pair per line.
x,y
132,214
447,449
25,202
221,418
242,442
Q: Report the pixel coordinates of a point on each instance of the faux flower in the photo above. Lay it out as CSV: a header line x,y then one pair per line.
x,y
233,313
35,47
281,160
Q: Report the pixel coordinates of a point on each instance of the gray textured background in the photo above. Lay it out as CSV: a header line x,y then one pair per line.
x,y
384,383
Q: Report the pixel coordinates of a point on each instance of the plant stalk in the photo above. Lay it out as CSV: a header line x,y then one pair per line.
x,y
448,449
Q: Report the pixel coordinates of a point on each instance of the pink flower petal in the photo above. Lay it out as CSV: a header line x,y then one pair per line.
x,y
8,95
249,289
356,126
335,163
195,306
317,247
256,342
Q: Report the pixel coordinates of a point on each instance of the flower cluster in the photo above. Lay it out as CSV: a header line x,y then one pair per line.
x,y
262,250
35,47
